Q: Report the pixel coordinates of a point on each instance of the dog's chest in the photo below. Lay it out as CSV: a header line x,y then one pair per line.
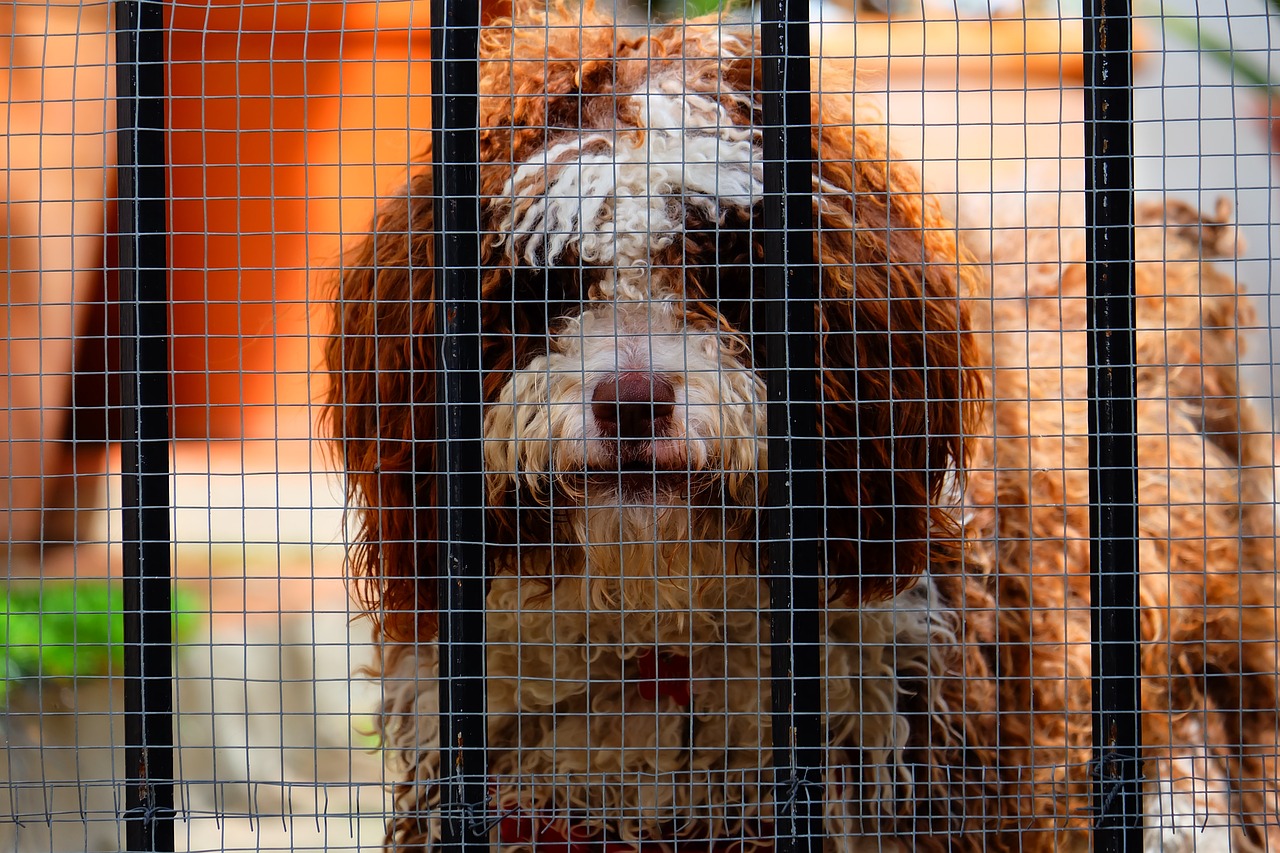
x,y
646,718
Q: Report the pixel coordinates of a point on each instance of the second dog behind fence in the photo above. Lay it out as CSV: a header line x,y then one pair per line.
x,y
625,440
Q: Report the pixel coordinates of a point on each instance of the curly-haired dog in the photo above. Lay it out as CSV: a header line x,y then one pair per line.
x,y
628,656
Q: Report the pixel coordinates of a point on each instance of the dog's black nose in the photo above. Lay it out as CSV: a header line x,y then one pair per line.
x,y
633,405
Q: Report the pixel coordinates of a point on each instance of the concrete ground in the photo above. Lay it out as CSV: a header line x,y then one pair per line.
x,y
272,722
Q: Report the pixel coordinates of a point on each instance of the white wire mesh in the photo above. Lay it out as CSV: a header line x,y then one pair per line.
x,y
636,714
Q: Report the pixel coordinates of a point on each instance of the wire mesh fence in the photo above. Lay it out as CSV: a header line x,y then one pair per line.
x,y
543,427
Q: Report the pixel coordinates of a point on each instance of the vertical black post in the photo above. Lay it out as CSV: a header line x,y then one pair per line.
x,y
1113,450
794,499
144,369
455,110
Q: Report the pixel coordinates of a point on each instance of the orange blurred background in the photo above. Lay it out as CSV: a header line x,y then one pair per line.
x,y
286,121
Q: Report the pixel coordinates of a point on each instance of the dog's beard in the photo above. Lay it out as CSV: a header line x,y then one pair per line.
x,y
638,508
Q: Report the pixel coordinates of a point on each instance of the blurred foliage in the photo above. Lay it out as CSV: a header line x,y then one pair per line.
x,y
365,733
69,628
668,10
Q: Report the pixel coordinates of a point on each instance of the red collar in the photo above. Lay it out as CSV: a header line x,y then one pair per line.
x,y
546,838
664,674
543,837
659,674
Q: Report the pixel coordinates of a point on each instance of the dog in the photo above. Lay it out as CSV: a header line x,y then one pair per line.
x,y
625,448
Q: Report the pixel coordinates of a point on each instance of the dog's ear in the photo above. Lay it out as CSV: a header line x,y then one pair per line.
x,y
899,387
380,413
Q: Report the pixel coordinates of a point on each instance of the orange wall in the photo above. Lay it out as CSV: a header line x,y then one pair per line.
x,y
286,121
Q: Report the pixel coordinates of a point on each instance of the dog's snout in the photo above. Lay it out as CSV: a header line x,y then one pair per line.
x,y
633,405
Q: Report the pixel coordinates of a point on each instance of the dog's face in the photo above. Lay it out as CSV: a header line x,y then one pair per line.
x,y
622,209
638,416
640,409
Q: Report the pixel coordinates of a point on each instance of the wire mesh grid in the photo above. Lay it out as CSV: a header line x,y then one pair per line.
x,y
692,428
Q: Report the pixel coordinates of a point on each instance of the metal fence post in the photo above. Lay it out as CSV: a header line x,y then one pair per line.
x,y
455,160
1113,449
792,521
144,360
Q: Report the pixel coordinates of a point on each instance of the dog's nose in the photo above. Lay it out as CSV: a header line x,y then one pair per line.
x,y
633,405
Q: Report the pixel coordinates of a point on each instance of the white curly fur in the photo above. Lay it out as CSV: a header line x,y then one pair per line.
x,y
619,195
541,424
1188,806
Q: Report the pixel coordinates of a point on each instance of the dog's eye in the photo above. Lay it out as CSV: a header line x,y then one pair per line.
x,y
718,270
552,288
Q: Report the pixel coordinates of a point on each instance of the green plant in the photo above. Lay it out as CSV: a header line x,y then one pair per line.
x,y
664,10
694,8
69,628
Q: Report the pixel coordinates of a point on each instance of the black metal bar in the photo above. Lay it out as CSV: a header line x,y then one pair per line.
x,y
144,386
793,524
456,153
1113,448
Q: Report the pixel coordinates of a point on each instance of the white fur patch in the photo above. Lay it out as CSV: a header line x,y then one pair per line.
x,y
1188,806
620,194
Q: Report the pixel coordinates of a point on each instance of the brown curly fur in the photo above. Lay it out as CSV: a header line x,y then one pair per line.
x,y
913,341
1207,524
